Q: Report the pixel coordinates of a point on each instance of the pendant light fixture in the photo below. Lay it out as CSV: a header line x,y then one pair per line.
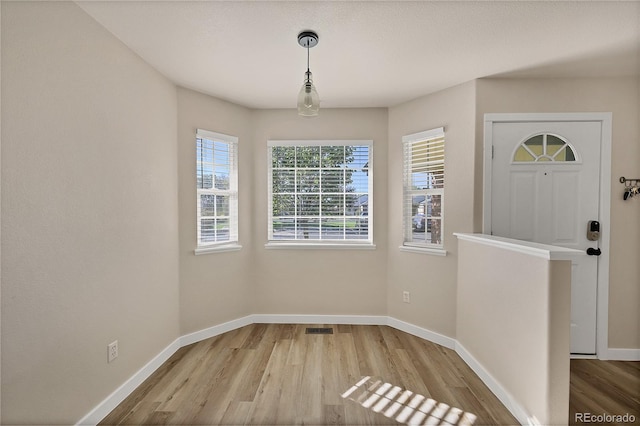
x,y
308,99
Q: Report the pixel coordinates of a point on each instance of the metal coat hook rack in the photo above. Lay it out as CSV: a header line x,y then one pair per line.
x,y
631,187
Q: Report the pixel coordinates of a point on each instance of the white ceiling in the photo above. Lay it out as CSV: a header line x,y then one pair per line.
x,y
370,54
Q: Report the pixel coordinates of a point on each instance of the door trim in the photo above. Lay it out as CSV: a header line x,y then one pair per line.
x,y
605,118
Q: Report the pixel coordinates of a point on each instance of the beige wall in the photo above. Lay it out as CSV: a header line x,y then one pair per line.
x,y
214,288
98,210
89,213
326,282
621,96
431,279
219,287
517,330
0,216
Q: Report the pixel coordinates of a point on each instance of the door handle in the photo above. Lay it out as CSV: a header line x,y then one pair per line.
x,y
594,251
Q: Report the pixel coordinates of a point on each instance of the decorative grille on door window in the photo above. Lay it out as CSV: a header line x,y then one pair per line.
x,y
544,147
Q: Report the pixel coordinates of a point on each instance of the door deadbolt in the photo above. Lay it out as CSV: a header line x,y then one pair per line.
x,y
593,230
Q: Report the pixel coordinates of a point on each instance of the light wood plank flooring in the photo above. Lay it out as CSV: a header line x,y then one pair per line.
x,y
275,374
604,387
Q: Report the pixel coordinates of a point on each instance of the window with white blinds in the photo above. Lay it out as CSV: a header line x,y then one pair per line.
x,y
217,188
423,194
320,192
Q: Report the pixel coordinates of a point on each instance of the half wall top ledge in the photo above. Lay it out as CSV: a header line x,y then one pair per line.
x,y
544,251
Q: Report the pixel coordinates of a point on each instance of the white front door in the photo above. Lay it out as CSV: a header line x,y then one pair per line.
x,y
545,179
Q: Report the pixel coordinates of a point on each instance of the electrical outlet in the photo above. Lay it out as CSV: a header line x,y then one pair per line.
x,y
406,297
112,351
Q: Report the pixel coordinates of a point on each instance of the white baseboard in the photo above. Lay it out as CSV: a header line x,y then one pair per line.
x,y
582,356
614,354
112,401
319,319
423,333
505,397
414,330
216,330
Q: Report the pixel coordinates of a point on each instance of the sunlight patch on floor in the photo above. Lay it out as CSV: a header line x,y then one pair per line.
x,y
403,405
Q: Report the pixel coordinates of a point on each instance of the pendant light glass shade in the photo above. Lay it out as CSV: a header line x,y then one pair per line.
x,y
308,99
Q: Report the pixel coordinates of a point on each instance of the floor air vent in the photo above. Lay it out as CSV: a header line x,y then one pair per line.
x,y
312,330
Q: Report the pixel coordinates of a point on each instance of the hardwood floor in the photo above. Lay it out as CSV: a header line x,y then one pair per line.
x,y
275,374
604,387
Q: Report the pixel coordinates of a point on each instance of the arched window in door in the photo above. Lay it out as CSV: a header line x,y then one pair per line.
x,y
545,147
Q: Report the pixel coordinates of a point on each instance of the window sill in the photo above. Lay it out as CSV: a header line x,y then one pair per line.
x,y
217,248
289,245
424,250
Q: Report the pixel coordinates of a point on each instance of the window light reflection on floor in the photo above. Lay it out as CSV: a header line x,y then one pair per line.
x,y
405,406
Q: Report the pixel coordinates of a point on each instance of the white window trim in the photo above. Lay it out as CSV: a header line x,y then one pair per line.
x,y
422,248
421,136
231,245
367,244
410,248
317,244
217,248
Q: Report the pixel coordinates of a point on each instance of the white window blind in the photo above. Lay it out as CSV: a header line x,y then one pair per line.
x,y
320,191
217,188
423,194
